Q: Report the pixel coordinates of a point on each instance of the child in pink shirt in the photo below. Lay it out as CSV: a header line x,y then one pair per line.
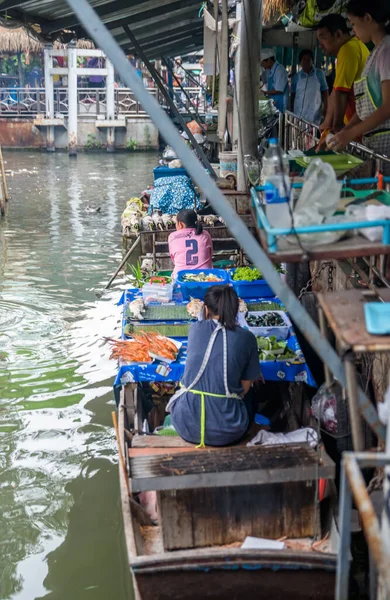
x,y
190,247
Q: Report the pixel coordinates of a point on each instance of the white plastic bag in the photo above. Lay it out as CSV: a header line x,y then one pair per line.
x,y
317,202
369,213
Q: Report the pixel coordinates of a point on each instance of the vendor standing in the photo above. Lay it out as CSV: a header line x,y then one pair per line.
x,y
371,23
189,246
277,79
309,90
213,406
335,40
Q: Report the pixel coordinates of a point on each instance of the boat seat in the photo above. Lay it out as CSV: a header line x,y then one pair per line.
x,y
226,467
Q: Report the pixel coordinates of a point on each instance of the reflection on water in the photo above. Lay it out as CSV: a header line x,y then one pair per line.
x,y
60,522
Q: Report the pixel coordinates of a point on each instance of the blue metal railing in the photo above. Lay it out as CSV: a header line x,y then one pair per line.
x,y
274,232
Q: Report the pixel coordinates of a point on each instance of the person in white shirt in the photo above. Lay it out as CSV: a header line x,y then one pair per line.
x,y
309,90
277,79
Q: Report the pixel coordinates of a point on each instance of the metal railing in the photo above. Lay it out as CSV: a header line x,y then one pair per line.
x,y
353,487
303,135
29,102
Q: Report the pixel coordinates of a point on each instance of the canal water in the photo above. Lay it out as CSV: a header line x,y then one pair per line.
x,y
61,533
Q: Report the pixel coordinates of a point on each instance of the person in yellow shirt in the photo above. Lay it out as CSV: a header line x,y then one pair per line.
x,y
335,40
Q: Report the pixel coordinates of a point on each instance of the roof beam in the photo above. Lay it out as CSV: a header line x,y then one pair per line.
x,y
172,47
164,27
167,36
177,10
176,50
118,10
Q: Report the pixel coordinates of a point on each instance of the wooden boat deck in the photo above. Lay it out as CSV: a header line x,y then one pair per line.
x,y
227,466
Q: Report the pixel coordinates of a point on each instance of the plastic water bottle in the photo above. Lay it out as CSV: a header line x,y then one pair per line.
x,y
277,185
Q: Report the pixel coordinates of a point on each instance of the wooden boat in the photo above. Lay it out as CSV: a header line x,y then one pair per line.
x,y
209,501
154,244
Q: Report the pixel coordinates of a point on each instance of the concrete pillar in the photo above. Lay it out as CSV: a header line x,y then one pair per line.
x,y
249,83
110,105
72,99
49,98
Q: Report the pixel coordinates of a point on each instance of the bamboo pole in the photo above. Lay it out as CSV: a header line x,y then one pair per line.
x,y
121,459
3,177
123,262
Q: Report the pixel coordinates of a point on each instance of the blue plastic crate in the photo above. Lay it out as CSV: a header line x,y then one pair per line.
x,y
197,289
167,172
251,289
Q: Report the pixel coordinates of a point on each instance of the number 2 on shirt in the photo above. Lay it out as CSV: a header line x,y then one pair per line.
x,y
191,254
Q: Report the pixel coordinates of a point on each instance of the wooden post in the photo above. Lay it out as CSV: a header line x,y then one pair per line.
x,y
223,74
72,99
3,177
110,105
249,83
49,97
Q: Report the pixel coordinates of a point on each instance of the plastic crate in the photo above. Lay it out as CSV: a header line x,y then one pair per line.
x,y
280,331
197,289
251,289
161,171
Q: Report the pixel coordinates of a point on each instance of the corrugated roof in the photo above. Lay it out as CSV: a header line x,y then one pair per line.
x,y
163,27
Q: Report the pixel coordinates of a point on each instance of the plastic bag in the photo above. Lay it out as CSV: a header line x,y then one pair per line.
x,y
324,408
318,201
369,213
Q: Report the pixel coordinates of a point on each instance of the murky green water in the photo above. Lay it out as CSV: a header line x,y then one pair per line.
x,y
61,532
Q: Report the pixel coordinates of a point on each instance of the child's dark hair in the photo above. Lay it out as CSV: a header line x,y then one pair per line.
x,y
377,9
334,23
222,301
190,220
306,53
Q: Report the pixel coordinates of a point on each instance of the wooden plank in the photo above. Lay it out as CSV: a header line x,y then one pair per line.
x,y
160,441
186,471
345,314
214,517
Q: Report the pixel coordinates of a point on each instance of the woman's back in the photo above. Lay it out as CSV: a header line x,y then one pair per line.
x,y
189,250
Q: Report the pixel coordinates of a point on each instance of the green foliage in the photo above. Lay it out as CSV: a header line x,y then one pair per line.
x,y
147,137
131,145
92,143
137,275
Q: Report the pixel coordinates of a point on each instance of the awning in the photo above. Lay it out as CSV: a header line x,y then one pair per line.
x,y
162,27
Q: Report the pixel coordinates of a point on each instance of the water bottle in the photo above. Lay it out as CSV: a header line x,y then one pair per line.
x,y
277,185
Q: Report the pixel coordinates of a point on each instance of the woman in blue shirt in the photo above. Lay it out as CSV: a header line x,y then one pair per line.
x,y
222,363
309,90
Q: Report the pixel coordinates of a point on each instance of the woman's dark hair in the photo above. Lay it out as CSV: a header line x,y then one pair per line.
x,y
190,220
222,301
334,23
379,10
305,53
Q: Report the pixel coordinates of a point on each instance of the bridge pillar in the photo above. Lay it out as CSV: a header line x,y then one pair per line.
x,y
110,105
72,99
49,97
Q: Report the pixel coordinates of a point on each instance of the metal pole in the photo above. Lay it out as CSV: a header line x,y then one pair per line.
x,y
385,513
352,392
167,97
49,97
345,513
72,99
189,105
236,226
110,105
324,331
369,521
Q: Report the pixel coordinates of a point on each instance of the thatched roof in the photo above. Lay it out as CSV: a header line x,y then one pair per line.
x,y
20,39
273,9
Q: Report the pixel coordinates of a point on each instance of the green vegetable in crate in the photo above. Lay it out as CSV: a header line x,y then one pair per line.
x,y
251,273
270,348
269,319
247,274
